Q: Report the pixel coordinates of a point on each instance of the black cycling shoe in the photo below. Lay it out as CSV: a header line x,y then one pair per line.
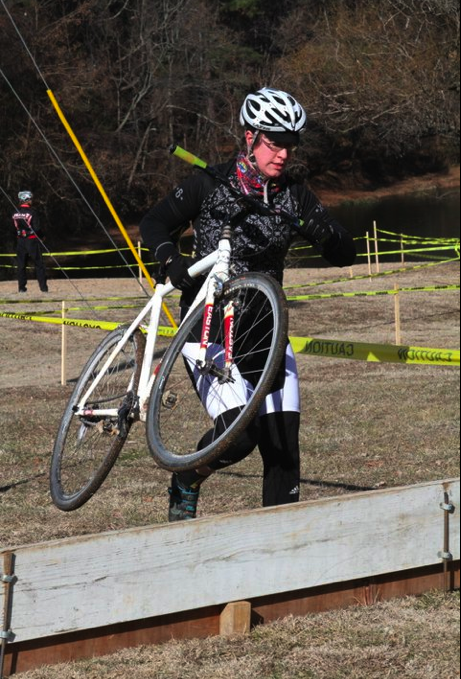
x,y
44,290
183,501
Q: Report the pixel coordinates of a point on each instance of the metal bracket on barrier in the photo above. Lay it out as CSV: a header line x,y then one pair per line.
x,y
8,578
446,556
8,635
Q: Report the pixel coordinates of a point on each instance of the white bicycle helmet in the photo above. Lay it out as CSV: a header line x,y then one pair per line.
x,y
25,196
273,111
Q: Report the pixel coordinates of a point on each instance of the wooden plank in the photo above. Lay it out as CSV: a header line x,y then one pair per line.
x,y
365,592
235,619
198,624
99,580
28,655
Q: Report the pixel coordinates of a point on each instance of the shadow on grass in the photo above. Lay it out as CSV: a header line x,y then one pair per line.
x,y
305,482
238,475
23,482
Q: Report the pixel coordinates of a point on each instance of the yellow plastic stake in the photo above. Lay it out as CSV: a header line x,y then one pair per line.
x,y
106,198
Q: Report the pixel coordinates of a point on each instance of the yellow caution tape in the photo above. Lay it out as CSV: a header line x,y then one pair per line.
x,y
420,238
375,353
373,293
414,250
84,253
408,241
77,253
389,272
79,323
314,284
59,301
439,248
443,243
102,325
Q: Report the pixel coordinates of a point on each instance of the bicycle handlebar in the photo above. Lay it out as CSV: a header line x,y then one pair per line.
x,y
296,223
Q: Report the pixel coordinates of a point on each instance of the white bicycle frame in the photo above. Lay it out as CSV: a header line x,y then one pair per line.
x,y
217,263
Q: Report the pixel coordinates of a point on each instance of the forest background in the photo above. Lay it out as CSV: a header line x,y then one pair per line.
x,y
379,79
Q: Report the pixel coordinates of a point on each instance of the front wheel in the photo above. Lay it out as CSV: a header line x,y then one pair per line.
x,y
87,446
197,410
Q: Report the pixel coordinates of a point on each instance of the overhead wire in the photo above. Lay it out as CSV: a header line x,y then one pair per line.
x,y
50,147
43,244
52,150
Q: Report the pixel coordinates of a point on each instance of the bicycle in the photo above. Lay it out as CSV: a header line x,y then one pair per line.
x,y
227,352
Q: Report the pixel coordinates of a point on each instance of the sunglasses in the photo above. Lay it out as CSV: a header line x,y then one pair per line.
x,y
276,148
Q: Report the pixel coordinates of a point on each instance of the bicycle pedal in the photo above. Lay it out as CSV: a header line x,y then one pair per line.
x,y
100,427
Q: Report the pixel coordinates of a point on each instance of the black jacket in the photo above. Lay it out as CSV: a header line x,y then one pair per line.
x,y
260,243
27,223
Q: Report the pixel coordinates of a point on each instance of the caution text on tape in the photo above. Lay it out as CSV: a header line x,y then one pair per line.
x,y
375,353
79,323
359,351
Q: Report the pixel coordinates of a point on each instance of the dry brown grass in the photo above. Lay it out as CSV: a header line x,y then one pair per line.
x,y
364,426
410,639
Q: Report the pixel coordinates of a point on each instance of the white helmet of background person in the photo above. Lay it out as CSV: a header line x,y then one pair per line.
x,y
25,196
273,111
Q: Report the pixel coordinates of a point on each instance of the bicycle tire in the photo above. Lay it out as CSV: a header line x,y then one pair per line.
x,y
86,449
174,448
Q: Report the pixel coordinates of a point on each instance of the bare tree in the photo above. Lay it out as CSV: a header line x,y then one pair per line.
x,y
380,82
380,79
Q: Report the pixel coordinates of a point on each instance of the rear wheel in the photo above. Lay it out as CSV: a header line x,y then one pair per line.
x,y
87,446
188,421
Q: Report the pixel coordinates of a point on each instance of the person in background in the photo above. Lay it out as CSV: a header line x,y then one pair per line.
x,y
273,121
27,224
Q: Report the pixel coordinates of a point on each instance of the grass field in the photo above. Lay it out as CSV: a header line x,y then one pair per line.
x,y
410,638
365,426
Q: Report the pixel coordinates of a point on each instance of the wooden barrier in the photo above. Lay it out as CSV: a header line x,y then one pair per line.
x,y
89,595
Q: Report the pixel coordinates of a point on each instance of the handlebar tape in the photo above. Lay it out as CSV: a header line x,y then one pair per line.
x,y
176,150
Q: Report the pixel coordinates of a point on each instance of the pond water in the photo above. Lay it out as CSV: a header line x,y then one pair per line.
x,y
432,214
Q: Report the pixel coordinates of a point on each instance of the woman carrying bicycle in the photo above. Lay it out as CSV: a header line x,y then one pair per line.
x,y
273,122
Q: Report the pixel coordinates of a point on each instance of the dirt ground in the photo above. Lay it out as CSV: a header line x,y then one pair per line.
x,y
365,426
414,638
30,352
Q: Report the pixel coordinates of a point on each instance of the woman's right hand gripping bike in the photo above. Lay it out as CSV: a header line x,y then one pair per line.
x,y
223,359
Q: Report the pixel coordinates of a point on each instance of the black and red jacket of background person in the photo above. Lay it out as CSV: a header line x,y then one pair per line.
x,y
27,222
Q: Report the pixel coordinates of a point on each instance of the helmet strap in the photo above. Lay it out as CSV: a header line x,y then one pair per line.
x,y
250,155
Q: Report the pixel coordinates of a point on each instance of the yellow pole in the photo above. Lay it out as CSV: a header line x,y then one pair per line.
x,y
106,198
140,257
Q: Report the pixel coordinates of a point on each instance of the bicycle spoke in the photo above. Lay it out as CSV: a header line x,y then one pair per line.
x,y
189,399
88,445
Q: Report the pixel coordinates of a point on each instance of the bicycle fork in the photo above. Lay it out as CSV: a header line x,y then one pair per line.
x,y
205,365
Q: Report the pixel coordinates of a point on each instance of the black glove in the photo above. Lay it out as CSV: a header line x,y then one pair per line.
x,y
176,270
320,232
